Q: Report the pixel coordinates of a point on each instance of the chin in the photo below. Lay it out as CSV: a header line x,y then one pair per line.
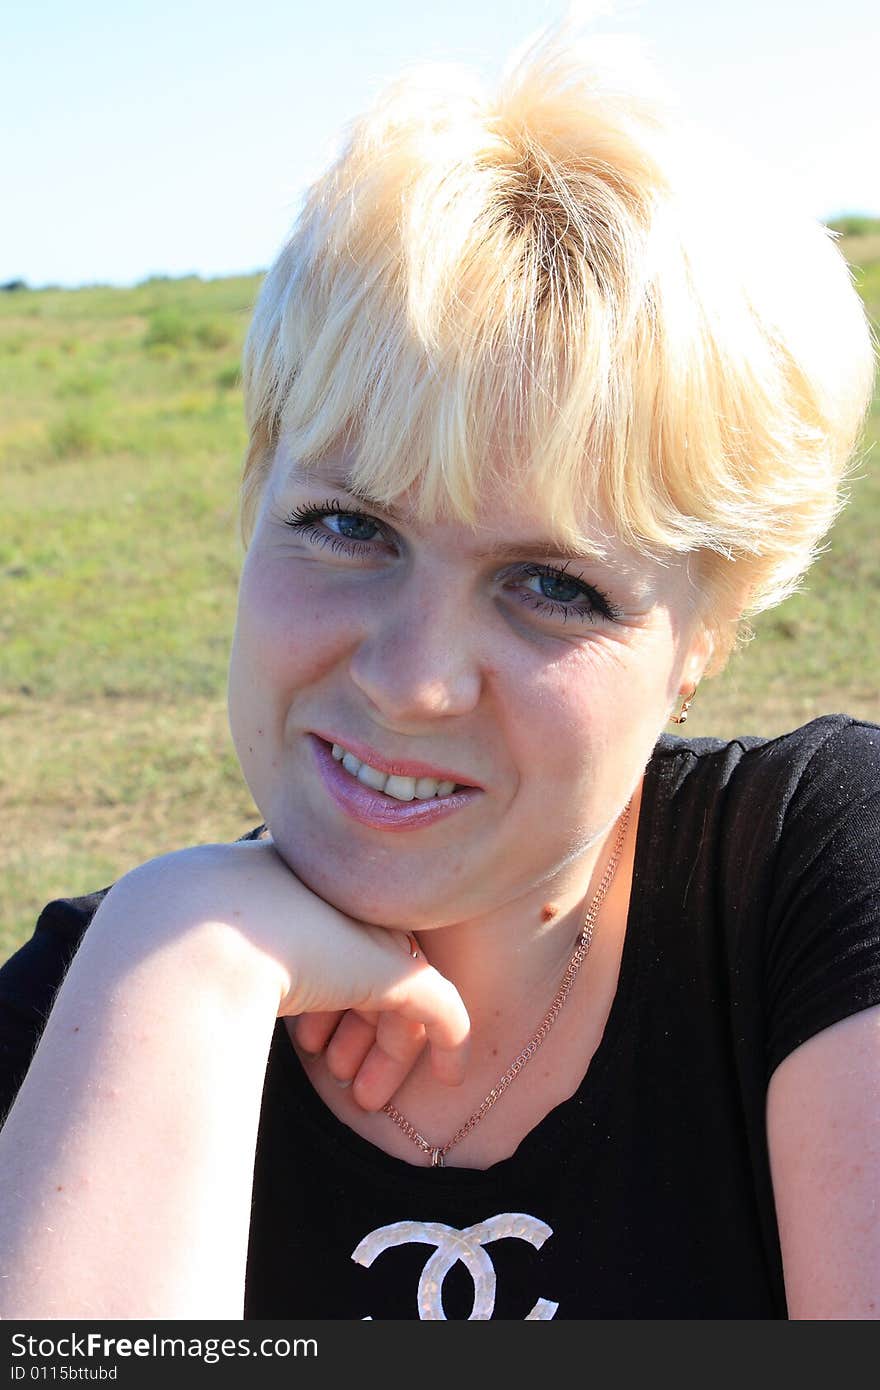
x,y
322,879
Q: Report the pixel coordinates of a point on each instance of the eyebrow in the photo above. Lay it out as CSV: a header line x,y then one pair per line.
x,y
532,547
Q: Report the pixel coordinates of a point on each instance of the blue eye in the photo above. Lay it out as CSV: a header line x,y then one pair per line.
x,y
305,519
354,524
576,599
562,595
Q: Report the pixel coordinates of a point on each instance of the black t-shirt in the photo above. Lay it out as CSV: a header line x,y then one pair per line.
x,y
754,923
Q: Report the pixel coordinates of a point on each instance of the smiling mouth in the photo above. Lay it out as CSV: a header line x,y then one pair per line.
x,y
392,785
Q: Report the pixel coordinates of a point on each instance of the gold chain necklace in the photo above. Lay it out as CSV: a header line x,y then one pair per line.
x,y
438,1152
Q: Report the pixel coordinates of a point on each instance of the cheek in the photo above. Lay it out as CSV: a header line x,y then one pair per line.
x,y
596,714
283,643
550,716
284,630
582,689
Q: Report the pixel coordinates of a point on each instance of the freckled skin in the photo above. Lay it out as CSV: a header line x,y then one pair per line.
x,y
423,649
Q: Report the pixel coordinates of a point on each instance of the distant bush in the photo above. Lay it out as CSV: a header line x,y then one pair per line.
x,y
13,286
168,328
76,432
214,333
228,378
161,280
855,224
82,383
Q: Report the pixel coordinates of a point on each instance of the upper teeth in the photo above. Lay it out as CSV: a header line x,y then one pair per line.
x,y
401,788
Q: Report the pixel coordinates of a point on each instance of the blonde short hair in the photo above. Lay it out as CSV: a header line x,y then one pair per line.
x,y
552,269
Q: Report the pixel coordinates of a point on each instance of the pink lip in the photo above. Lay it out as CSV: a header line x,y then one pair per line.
x,y
377,810
398,769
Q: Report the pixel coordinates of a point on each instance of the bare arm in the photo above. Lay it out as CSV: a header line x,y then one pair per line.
x,y
126,1162
823,1131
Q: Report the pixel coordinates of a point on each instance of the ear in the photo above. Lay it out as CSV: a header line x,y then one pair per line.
x,y
699,656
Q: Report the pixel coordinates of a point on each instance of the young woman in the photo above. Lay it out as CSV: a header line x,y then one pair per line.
x,y
515,1006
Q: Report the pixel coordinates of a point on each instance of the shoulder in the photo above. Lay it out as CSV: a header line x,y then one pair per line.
x,y
767,812
830,737
759,787
824,1047
787,832
32,975
61,923
833,754
775,843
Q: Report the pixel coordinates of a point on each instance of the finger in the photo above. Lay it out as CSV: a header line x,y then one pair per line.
x,y
349,1045
314,1031
449,1065
396,1048
425,996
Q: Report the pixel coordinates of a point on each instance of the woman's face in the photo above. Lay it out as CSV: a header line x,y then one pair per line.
x,y
539,679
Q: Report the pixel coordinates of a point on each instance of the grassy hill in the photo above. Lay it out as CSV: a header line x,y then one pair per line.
x,y
121,438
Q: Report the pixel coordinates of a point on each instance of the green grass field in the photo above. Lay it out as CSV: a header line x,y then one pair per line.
x,y
121,439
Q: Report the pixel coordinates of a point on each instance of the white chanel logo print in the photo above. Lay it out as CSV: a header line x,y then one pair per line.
x,y
454,1245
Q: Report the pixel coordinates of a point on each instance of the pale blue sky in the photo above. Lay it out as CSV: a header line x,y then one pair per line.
x,y
144,137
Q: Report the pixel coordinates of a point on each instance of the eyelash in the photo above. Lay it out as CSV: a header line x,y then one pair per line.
x,y
303,520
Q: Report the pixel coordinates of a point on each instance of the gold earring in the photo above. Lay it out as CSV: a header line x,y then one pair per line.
x,y
682,715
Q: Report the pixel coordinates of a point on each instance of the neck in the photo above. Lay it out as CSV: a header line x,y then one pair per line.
x,y
508,968
508,965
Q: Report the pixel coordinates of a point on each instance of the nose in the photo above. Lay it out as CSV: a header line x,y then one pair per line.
x,y
416,659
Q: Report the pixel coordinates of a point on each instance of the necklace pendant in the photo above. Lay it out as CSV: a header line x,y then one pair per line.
x,y
437,1158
